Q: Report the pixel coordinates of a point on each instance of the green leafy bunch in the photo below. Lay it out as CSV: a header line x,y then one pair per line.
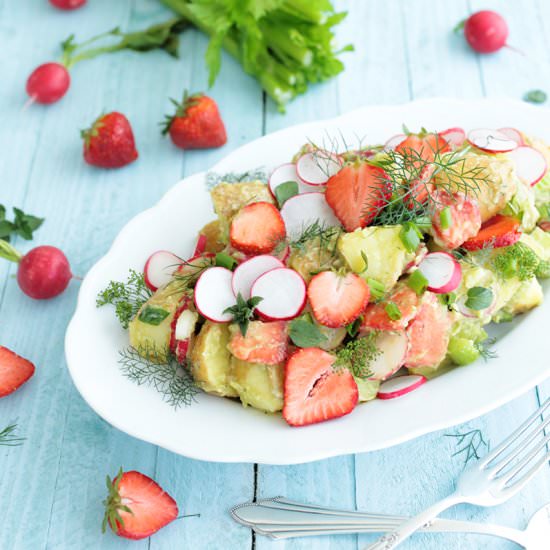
x,y
22,225
243,311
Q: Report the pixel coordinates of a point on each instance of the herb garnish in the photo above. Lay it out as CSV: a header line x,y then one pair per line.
x,y
22,224
285,191
8,437
479,298
393,311
153,315
471,442
127,297
316,230
410,236
305,334
417,282
225,260
485,348
353,328
535,96
518,260
243,311
160,370
358,355
377,289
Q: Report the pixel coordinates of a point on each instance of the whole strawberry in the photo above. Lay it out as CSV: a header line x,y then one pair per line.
x,y
109,143
196,124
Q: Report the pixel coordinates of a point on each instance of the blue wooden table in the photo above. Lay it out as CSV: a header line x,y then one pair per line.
x,y
51,487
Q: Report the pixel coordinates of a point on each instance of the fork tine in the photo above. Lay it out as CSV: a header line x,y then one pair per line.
x,y
521,482
514,435
523,444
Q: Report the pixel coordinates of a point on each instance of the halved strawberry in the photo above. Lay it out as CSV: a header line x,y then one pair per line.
x,y
14,371
465,219
136,506
337,300
497,232
257,228
428,333
265,343
376,316
356,193
313,391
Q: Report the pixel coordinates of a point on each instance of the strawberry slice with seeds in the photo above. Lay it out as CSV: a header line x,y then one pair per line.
x,y
337,300
257,228
14,371
356,194
428,333
313,391
136,506
376,316
265,343
497,232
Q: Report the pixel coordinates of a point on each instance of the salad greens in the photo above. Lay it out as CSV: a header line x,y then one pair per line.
x,y
305,334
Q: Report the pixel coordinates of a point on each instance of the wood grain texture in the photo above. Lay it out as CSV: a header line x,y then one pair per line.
x,y
51,487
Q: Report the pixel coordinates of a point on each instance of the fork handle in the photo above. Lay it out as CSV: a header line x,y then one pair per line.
x,y
405,530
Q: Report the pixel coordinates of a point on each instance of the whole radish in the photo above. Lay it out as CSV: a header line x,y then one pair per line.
x,y
67,4
43,273
48,83
486,31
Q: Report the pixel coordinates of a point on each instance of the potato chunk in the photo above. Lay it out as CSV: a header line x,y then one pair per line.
x,y
212,232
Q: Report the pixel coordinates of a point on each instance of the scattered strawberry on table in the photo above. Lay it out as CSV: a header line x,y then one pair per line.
x,y
136,506
196,123
14,371
109,142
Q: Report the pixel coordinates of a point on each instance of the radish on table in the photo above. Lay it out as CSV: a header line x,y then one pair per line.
x,y
485,31
67,4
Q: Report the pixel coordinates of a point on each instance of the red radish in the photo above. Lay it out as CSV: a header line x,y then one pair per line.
x,y
513,134
285,254
491,141
283,293
442,271
301,211
213,294
282,174
14,371
200,247
313,391
159,268
67,4
394,141
48,83
530,164
454,137
400,385
393,349
420,255
486,31
316,168
247,272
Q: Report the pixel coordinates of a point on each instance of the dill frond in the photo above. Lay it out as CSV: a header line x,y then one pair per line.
x,y
8,437
470,444
358,355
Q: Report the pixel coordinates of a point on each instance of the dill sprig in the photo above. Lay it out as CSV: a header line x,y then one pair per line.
x,y
358,355
470,444
485,348
127,297
190,271
160,370
327,236
9,438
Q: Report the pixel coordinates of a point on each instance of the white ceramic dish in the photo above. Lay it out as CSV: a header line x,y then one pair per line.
x,y
219,429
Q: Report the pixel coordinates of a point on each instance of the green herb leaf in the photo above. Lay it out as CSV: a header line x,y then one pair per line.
x,y
353,328
153,315
358,355
410,236
285,191
393,311
8,437
479,298
459,27
243,311
417,282
305,334
23,224
446,218
225,260
535,96
377,289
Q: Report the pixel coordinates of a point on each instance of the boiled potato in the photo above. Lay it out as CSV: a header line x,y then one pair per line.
x,y
314,256
213,235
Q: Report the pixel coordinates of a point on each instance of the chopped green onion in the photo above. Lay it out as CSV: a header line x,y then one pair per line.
x,y
353,328
284,191
479,298
410,236
225,260
393,311
377,289
366,260
417,282
446,218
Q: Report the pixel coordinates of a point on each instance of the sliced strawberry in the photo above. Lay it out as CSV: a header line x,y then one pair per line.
x,y
465,219
265,343
14,371
313,391
428,333
376,317
337,300
497,232
137,506
257,228
356,193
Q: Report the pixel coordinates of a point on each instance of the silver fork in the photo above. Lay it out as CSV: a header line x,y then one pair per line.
x,y
490,481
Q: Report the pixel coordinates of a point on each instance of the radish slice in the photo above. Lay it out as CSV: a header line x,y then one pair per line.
x,y
420,255
283,293
454,137
281,174
393,348
200,247
247,272
185,325
491,141
316,168
301,211
400,385
530,164
213,294
394,141
159,268
513,134
285,254
442,271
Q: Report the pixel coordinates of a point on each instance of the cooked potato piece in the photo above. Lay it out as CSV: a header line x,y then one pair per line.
x,y
151,339
334,337
211,360
314,256
260,386
213,236
528,296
